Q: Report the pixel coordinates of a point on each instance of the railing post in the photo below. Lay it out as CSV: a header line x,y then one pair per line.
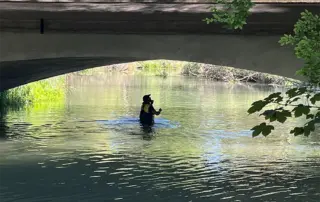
x,y
41,26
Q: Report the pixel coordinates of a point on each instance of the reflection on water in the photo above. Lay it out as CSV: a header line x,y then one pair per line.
x,y
93,148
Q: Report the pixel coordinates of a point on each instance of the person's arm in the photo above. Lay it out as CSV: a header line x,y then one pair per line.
x,y
153,111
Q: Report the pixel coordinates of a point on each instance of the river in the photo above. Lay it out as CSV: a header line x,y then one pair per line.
x,y
91,147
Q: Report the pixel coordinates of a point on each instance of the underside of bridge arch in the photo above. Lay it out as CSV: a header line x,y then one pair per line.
x,y
27,57
16,73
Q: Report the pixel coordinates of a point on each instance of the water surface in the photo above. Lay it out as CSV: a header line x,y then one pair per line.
x,y
92,148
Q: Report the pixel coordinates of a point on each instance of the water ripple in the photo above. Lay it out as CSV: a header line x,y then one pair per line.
x,y
199,150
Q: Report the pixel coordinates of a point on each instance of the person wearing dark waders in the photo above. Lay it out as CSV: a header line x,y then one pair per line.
x,y
147,111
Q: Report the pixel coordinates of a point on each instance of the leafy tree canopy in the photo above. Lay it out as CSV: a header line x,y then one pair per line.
x,y
302,101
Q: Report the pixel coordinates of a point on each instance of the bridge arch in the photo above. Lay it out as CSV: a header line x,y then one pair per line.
x,y
27,57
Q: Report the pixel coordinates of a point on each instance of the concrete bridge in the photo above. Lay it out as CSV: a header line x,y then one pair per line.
x,y
40,40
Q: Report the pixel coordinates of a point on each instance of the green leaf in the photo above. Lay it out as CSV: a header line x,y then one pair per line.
x,y
273,115
302,90
257,106
310,127
294,100
315,98
296,91
307,132
268,113
256,131
233,15
286,113
301,109
267,130
273,96
281,118
297,131
273,118
292,92
262,128
310,116
279,99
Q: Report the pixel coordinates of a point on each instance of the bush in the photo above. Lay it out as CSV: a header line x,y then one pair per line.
x,y
40,91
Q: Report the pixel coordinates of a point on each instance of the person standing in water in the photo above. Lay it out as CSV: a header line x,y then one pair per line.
x,y
147,111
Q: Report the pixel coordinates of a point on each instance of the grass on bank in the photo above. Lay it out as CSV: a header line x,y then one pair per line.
x,y
48,90
162,68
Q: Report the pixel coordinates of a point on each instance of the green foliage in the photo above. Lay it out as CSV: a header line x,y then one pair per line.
x,y
233,15
263,128
15,98
257,106
47,90
160,68
285,106
306,42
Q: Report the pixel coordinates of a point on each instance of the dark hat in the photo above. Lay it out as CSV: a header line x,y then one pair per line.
x,y
146,98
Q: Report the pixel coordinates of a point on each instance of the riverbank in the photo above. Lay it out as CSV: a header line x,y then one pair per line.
x,y
165,68
43,91
54,89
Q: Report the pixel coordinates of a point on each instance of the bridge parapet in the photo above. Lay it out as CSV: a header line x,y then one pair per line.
x,y
143,18
158,1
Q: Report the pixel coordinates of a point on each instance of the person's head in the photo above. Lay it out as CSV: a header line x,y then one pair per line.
x,y
147,99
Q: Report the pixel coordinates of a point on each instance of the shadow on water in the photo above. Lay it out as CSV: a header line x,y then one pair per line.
x,y
10,129
3,123
3,129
